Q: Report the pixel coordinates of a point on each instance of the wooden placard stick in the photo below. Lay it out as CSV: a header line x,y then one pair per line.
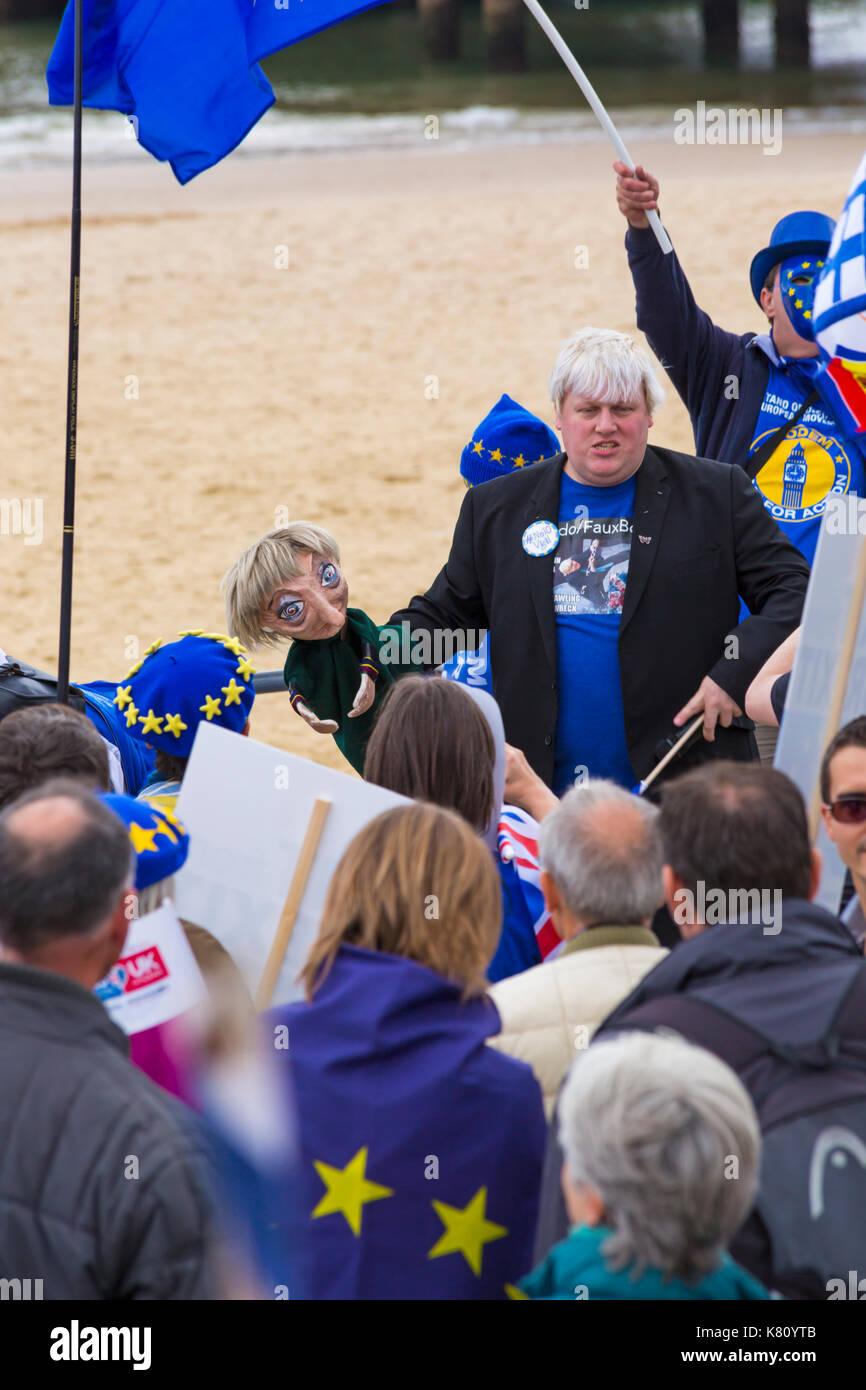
x,y
282,936
670,754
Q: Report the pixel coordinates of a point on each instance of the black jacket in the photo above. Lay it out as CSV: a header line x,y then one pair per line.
x,y
709,540
102,1195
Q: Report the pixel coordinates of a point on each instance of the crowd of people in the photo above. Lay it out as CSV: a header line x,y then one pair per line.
x,y
557,1040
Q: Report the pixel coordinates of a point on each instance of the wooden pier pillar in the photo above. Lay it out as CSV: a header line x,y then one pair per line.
x,y
792,32
440,29
504,24
721,32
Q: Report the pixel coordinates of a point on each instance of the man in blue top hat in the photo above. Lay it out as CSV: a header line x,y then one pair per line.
x,y
751,397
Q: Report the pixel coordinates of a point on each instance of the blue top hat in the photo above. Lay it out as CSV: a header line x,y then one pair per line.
x,y
510,437
797,234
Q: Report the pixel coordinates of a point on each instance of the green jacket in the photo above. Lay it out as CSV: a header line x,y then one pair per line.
x,y
575,1269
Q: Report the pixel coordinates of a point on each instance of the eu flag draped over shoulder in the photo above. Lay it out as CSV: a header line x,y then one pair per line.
x,y
186,71
421,1147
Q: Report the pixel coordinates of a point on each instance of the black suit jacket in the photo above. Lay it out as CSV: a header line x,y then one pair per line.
x,y
701,538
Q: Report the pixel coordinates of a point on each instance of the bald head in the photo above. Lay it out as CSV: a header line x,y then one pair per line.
x,y
65,862
602,848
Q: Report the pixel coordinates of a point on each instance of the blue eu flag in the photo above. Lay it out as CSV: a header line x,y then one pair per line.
x,y
186,71
421,1147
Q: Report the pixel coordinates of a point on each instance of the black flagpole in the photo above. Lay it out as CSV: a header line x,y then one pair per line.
x,y
71,385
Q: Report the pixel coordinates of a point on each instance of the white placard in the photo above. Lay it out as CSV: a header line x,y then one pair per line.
x,y
157,977
246,807
803,733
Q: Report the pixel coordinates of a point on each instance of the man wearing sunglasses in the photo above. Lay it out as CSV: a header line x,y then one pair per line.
x,y
843,793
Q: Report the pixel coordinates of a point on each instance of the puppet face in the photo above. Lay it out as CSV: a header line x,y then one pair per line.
x,y
312,606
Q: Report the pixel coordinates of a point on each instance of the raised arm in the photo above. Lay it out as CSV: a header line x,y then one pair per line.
x,y
693,350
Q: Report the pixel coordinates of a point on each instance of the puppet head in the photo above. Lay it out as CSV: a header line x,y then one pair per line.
x,y
288,584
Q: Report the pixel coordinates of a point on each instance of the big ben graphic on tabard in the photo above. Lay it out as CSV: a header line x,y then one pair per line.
x,y
794,478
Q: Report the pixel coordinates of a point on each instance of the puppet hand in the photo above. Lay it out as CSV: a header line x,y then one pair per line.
x,y
321,726
364,698
636,193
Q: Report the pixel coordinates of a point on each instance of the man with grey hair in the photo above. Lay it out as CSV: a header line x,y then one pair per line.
x,y
661,1154
601,875
609,578
102,1193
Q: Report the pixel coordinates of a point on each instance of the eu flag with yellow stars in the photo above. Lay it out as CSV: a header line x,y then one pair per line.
x,y
421,1147
186,71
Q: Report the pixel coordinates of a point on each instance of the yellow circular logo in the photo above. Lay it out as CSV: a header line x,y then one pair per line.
x,y
798,477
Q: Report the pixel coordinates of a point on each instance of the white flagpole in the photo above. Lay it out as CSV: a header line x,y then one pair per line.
x,y
589,92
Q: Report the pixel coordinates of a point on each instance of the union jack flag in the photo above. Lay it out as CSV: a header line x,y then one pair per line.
x,y
517,837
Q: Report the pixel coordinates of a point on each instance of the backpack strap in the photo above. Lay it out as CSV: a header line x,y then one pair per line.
x,y
703,1023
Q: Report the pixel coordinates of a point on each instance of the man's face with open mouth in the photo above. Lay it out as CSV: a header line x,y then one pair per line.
x,y
605,441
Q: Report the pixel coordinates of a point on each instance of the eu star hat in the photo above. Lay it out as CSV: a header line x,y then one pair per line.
x,y
203,676
508,438
800,233
160,842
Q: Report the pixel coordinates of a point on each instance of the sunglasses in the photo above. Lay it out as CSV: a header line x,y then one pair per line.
x,y
849,810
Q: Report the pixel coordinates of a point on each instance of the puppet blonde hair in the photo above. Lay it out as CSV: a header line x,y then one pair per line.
x,y
264,566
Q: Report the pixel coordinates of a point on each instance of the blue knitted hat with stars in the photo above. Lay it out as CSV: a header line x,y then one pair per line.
x,y
203,676
508,438
160,842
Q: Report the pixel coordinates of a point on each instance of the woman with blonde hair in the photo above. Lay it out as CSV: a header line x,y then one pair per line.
x,y
421,1148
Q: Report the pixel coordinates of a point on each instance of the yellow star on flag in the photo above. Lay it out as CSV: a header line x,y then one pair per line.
x,y
245,670
210,707
190,632
478,446
123,696
174,725
798,303
131,715
466,1231
133,670
348,1190
151,723
232,692
154,647
142,838
514,1293
232,645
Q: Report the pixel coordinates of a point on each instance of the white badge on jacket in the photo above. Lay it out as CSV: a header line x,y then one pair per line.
x,y
541,538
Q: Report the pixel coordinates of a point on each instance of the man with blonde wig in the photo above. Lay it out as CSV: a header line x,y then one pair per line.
x,y
610,579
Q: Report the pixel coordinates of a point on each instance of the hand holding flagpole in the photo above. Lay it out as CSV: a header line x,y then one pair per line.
x,y
589,92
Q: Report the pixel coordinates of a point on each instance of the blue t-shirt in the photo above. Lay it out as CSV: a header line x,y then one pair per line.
x,y
810,463
590,571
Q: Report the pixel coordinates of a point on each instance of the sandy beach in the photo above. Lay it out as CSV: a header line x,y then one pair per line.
x,y
221,392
